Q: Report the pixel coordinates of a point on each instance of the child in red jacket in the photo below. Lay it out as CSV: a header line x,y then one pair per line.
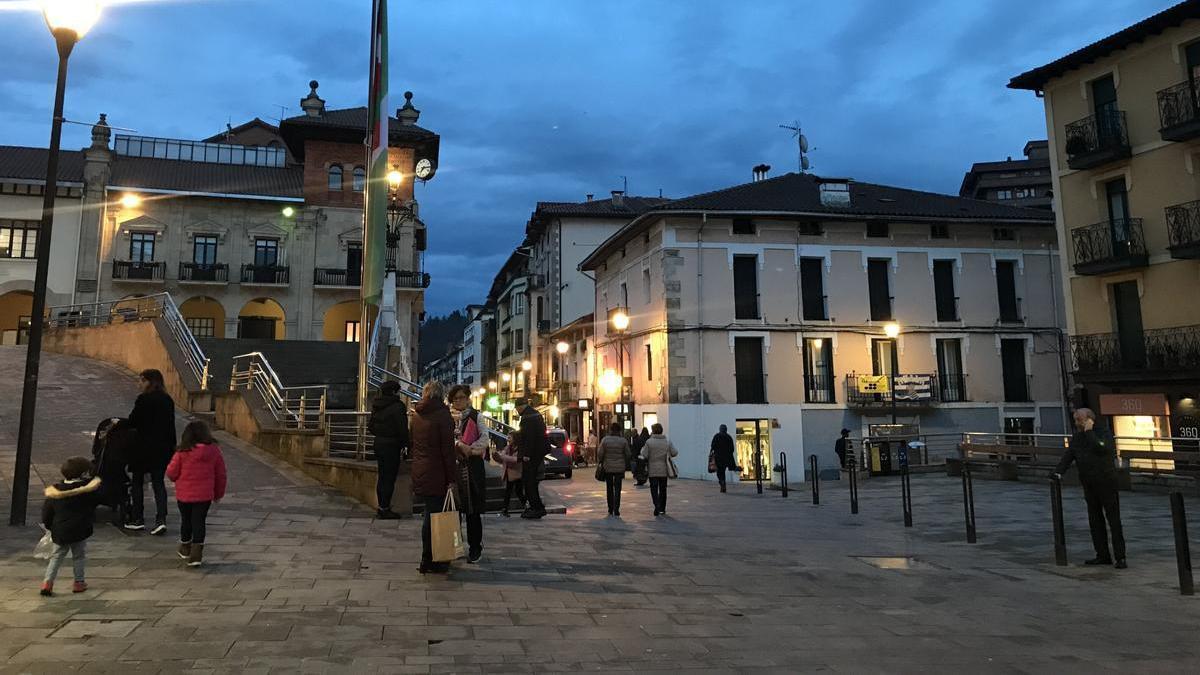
x,y
198,471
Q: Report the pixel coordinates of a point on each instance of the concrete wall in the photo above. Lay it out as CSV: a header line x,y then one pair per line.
x,y
18,273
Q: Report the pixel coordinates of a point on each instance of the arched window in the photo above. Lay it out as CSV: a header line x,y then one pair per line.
x,y
360,179
335,177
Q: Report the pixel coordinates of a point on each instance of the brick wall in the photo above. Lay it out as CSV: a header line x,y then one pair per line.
x,y
320,155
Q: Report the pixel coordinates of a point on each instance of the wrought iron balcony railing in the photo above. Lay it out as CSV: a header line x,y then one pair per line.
x,y
1175,350
819,389
1179,112
1109,246
1183,229
203,272
911,390
952,387
266,274
412,280
137,270
336,276
1097,139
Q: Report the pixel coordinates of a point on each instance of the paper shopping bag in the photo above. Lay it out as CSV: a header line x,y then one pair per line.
x,y
446,532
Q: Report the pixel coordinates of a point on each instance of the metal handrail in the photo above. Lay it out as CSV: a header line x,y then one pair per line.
x,y
346,435
291,406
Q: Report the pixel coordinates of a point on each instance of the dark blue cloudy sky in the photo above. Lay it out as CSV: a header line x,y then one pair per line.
x,y
552,99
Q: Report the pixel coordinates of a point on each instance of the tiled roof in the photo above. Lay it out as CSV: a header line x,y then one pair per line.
x,y
167,174
256,122
1168,18
24,163
356,118
631,206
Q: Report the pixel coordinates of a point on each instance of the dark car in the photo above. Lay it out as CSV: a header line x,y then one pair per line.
x,y
561,458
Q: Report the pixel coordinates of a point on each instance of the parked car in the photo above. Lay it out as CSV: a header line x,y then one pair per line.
x,y
561,459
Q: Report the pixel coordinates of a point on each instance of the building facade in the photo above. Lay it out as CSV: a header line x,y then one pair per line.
x,y
765,307
1016,182
1124,128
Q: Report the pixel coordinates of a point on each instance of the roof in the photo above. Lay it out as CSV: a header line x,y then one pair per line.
x,y
350,125
201,177
24,163
1168,18
600,208
256,122
978,169
586,322
795,194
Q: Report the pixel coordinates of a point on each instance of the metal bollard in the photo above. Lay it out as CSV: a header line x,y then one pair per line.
x,y
853,469
758,470
782,469
816,479
968,501
1056,510
906,495
1183,554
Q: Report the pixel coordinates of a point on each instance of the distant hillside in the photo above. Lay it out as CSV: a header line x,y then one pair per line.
x,y
439,334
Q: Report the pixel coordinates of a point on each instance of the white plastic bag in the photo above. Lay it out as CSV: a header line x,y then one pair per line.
x,y
44,548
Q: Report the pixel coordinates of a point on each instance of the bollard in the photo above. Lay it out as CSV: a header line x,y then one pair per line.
x,y
1183,554
906,495
853,468
758,470
968,501
1056,510
782,469
816,479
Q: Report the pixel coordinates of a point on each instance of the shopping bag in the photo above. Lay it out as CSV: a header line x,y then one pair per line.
x,y
44,548
446,532
712,462
672,470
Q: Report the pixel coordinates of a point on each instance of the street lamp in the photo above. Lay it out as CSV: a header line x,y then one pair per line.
x,y
618,320
892,330
492,385
562,347
398,214
131,201
527,365
69,21
506,376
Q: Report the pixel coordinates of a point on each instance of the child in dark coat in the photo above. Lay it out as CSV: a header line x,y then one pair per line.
x,y
68,513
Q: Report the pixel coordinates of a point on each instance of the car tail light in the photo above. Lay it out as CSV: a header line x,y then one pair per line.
x,y
570,448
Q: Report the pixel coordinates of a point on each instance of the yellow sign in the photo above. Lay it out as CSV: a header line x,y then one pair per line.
x,y
873,384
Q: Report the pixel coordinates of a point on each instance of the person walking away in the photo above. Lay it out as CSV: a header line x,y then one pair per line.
x,y
613,455
68,514
471,443
841,447
198,471
1094,451
153,417
639,466
534,446
590,447
721,450
657,453
510,459
431,437
389,426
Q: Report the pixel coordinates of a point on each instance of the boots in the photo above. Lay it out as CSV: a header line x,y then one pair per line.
x,y
184,550
196,555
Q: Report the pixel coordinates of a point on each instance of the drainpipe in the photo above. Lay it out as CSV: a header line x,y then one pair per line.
x,y
1058,336
803,364
700,310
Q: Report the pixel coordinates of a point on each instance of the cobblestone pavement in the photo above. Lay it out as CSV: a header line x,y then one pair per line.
x,y
304,580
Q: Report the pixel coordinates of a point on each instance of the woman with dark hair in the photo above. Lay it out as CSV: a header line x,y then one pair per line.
x,y
153,417
198,471
389,425
510,458
471,443
612,456
639,464
431,434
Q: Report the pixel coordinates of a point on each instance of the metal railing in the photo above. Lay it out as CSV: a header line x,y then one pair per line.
x,y
1105,130
819,389
294,407
1160,349
952,387
346,435
135,270
1134,453
1178,105
336,276
911,389
265,274
159,305
1183,225
193,271
1109,244
412,280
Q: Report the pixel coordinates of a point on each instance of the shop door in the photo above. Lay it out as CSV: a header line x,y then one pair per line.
x,y
753,442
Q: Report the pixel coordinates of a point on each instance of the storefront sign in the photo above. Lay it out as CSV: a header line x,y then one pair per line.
x,y
585,404
1154,405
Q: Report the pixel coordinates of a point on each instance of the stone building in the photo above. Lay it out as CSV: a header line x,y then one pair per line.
x,y
1016,182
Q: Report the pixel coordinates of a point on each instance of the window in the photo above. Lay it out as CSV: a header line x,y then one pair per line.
x,y
951,381
18,238
354,260
1012,364
358,180
519,340
748,362
1006,291
812,288
1024,193
1003,234
743,226
201,327
880,293
624,294
745,287
884,360
646,285
204,249
943,290
141,246
649,363
1127,318
818,371
352,331
877,229
335,178
517,303
266,252
939,231
811,229
1004,194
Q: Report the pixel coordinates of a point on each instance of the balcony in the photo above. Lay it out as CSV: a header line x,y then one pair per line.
x,y
337,277
202,273
1168,351
266,275
1183,230
1179,112
412,280
1097,139
1109,246
912,391
819,389
135,270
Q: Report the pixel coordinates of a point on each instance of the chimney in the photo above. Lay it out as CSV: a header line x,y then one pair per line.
x,y
408,115
589,196
313,105
618,199
760,172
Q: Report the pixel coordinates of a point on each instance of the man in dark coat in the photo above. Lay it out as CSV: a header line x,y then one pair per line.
x,y
389,425
1094,451
533,446
841,447
153,417
433,475
722,452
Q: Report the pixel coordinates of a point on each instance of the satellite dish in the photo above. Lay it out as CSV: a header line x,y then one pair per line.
x,y
803,143
804,166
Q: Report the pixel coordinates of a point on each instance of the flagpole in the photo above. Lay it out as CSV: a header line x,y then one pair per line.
x,y
374,211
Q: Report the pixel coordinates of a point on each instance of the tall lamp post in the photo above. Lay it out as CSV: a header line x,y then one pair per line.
x,y
69,21
618,320
892,330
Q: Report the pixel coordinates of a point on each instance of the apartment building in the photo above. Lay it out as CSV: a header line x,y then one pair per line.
x,y
766,306
1123,118
1016,182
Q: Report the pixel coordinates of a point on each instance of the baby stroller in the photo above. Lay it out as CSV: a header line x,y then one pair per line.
x,y
112,450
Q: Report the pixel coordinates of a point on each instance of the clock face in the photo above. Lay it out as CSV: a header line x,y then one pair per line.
x,y
424,169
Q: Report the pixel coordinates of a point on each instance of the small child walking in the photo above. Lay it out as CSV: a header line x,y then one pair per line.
x,y
68,513
198,471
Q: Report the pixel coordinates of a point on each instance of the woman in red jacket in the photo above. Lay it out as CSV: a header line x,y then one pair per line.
x,y
198,471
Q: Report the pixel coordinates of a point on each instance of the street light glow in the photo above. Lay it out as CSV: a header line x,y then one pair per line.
x,y
77,16
130,200
505,376
620,321
891,330
610,382
554,412
395,178
288,212
492,384
527,365
562,347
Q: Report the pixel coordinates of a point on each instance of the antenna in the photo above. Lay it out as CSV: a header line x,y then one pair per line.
x,y
625,180
282,110
801,144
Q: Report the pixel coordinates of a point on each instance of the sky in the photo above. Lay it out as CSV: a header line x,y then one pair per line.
x,y
548,100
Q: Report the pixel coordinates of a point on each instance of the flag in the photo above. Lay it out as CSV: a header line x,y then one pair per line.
x,y
375,220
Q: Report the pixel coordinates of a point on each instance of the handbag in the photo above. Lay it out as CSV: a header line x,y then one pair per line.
x,y
446,532
672,470
712,462
600,475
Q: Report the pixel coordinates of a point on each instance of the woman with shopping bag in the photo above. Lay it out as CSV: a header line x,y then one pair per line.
x,y
431,438
658,454
473,444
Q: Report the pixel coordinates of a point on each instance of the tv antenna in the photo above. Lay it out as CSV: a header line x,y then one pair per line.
x,y
282,111
801,143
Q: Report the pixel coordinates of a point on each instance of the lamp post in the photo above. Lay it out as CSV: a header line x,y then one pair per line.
x,y
619,321
68,21
892,330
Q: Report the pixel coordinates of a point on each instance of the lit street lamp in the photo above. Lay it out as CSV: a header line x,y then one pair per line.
x,y
892,330
69,21
618,320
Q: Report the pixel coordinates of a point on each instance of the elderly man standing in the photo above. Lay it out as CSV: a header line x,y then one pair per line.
x,y
1096,454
